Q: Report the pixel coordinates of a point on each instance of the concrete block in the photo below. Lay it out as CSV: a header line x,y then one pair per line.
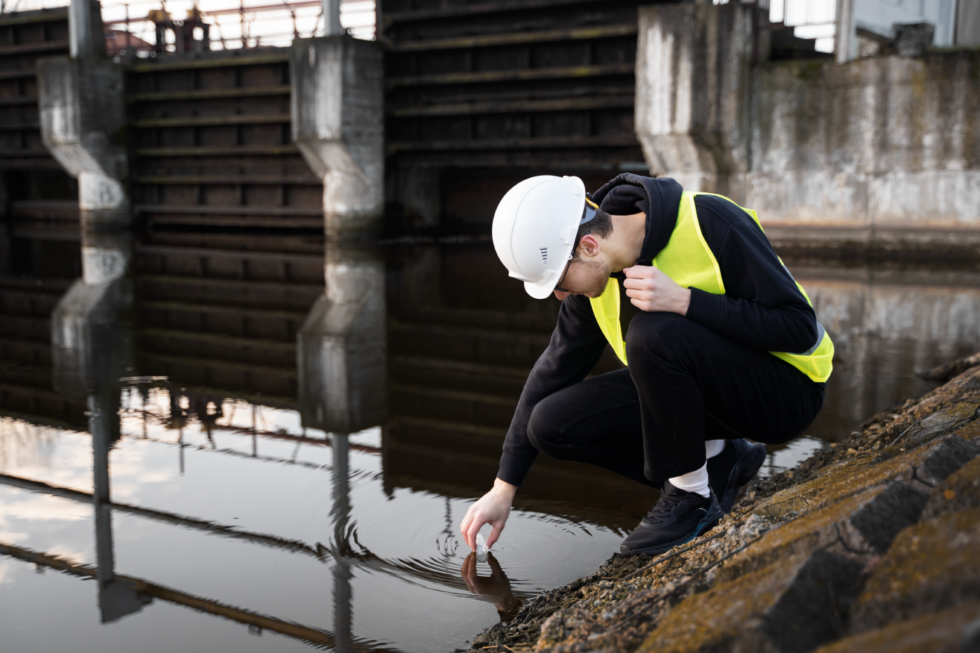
x,y
341,347
858,527
930,567
338,125
794,605
961,490
83,125
944,421
693,64
92,345
941,632
970,432
921,468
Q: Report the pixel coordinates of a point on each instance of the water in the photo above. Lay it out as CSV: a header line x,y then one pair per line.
x,y
283,468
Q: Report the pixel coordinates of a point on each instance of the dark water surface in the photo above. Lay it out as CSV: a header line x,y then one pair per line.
x,y
282,468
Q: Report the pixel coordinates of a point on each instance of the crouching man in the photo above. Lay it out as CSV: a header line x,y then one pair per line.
x,y
720,344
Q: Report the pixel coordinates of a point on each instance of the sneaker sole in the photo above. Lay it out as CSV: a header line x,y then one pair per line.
x,y
710,521
745,469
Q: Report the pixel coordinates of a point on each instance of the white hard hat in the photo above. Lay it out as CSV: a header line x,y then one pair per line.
x,y
534,230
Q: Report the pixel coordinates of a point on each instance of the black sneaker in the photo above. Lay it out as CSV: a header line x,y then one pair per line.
x,y
733,468
676,518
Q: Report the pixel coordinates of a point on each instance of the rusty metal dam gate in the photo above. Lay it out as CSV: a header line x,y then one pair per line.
x,y
477,96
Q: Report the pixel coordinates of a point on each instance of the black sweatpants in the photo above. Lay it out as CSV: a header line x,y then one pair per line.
x,y
685,384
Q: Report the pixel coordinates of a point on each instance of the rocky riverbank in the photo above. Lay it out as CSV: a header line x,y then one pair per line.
x,y
871,545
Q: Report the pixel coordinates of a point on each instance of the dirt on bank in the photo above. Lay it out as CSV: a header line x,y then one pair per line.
x,y
869,545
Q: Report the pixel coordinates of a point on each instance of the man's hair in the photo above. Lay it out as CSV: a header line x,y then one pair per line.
x,y
601,225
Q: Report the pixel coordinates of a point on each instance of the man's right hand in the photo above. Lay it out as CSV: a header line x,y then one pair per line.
x,y
492,508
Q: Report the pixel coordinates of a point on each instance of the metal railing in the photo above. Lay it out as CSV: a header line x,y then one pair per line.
x,y
137,24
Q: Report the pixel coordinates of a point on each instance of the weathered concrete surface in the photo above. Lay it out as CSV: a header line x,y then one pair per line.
x,y
83,119
858,527
692,93
92,342
941,632
930,567
880,152
338,125
920,468
712,595
793,605
341,347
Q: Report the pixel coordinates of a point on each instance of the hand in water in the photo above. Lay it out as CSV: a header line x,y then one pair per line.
x,y
492,508
495,589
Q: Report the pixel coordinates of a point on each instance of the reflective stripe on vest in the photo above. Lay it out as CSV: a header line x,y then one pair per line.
x,y
688,260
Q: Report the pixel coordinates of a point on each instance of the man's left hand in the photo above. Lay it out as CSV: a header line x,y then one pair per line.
x,y
651,290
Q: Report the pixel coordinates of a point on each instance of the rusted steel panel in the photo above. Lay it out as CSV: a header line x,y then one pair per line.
x,y
30,174
211,144
506,88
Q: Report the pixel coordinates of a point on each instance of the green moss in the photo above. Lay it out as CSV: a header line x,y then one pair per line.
x,y
809,70
932,632
926,564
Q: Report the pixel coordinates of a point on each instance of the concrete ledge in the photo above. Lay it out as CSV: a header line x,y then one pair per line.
x,y
940,632
930,567
958,492
922,467
858,527
793,605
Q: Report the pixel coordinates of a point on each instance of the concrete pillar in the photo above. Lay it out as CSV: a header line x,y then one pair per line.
x,y
91,342
338,124
692,93
331,18
341,347
83,119
85,30
846,40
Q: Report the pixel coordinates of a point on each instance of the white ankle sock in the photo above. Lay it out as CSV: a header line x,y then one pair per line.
x,y
696,481
713,447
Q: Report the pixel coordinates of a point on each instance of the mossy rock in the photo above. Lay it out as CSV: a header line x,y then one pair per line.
x,y
960,491
794,604
857,527
940,632
930,464
930,567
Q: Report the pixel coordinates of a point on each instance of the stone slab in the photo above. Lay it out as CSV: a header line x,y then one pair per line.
x,y
857,527
930,567
922,467
941,632
960,491
794,605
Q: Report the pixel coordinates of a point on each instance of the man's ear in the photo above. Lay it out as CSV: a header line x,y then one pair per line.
x,y
588,247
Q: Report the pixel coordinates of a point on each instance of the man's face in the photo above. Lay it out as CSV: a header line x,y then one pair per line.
x,y
585,276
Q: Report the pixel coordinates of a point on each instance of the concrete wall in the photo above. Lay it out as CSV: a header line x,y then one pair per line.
x,y
338,124
886,141
860,151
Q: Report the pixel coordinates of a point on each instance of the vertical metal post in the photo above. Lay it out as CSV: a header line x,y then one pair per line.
x,y
845,37
342,595
331,18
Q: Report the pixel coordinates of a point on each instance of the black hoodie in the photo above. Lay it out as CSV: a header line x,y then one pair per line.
x,y
761,307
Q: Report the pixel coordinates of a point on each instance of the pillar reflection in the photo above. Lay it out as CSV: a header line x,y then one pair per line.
x,y
91,349
341,357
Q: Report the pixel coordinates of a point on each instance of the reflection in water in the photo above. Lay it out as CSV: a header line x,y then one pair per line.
x,y
495,588
326,419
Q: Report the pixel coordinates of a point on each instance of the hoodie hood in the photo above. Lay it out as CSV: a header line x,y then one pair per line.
x,y
660,199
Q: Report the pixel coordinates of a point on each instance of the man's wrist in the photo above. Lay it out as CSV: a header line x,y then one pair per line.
x,y
684,301
504,487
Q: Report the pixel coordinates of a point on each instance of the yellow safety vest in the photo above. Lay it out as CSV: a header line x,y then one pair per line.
x,y
688,260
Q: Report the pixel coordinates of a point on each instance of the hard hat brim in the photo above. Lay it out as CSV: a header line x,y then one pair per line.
x,y
540,290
